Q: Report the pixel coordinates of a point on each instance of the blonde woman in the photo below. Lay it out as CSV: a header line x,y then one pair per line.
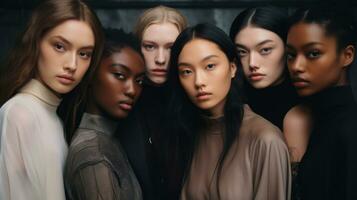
x,y
157,29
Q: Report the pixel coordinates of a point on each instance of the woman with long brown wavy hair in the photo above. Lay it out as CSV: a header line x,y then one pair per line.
x,y
51,62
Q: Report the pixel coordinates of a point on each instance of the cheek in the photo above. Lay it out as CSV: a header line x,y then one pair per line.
x,y
245,65
188,86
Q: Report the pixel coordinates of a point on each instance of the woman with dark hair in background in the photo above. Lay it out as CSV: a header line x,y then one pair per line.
x,y
259,35
321,46
157,29
97,165
62,41
232,153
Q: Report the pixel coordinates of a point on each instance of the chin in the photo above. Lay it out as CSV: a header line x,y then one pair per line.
x,y
305,92
157,80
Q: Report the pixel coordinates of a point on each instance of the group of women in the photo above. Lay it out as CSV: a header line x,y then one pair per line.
x,y
177,112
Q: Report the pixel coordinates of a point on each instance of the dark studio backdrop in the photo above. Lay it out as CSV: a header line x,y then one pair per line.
x,y
124,13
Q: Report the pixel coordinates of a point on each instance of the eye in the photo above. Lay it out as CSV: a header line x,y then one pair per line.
x,y
149,47
59,47
290,56
313,54
242,52
266,51
119,75
185,72
85,54
140,81
210,66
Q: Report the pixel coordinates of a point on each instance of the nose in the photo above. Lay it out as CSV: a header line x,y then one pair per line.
x,y
130,89
297,65
253,61
200,80
71,62
160,58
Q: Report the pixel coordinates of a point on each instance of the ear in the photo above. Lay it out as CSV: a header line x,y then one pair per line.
x,y
233,69
348,55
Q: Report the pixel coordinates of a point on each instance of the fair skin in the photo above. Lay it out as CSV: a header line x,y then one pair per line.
x,y
156,45
205,73
65,55
117,84
262,55
313,60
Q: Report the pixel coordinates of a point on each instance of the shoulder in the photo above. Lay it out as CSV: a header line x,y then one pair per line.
x,y
256,127
298,117
18,112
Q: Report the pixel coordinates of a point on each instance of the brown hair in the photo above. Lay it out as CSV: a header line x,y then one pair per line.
x,y
21,65
157,15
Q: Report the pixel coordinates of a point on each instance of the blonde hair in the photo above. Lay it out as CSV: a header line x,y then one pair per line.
x,y
157,15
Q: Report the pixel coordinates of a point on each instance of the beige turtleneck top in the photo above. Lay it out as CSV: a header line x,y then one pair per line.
x,y
32,146
256,167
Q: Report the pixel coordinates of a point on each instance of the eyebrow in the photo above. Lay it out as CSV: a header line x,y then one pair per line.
x,y
259,44
310,44
204,59
126,68
69,43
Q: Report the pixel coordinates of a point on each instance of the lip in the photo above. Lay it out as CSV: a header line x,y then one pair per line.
x,y
300,82
159,72
126,105
201,96
65,79
256,76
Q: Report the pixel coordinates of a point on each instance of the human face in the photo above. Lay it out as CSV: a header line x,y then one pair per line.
x,y
313,60
65,55
117,84
156,44
205,73
262,56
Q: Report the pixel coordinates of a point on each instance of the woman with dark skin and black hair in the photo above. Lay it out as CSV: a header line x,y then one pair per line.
x,y
321,46
97,166
259,35
232,153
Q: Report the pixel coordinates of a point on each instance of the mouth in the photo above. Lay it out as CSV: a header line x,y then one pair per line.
x,y
299,82
65,79
256,76
201,96
159,72
126,105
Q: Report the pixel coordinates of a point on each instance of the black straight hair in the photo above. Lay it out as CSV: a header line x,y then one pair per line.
x,y
185,119
274,19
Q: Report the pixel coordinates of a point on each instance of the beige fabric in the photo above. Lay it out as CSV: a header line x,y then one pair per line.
x,y
257,165
32,146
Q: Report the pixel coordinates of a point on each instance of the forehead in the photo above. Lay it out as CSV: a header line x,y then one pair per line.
x,y
198,49
304,33
128,57
251,36
162,32
76,32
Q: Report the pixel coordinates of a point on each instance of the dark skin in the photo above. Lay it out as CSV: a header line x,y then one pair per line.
x,y
313,60
117,84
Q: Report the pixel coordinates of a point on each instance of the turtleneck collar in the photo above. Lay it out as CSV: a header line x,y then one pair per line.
x,y
98,123
332,98
213,125
40,91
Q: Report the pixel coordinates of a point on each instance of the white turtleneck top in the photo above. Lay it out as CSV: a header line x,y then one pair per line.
x,y
33,149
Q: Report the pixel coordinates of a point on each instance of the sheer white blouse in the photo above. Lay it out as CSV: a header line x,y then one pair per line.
x,y
32,146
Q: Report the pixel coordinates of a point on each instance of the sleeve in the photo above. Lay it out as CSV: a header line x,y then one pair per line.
x,y
93,182
271,168
20,155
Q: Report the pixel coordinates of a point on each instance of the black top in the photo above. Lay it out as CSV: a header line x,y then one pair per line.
x,y
141,139
329,167
97,166
272,103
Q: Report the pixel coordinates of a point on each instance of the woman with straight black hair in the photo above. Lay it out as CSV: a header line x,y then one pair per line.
x,y
321,47
259,35
230,152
